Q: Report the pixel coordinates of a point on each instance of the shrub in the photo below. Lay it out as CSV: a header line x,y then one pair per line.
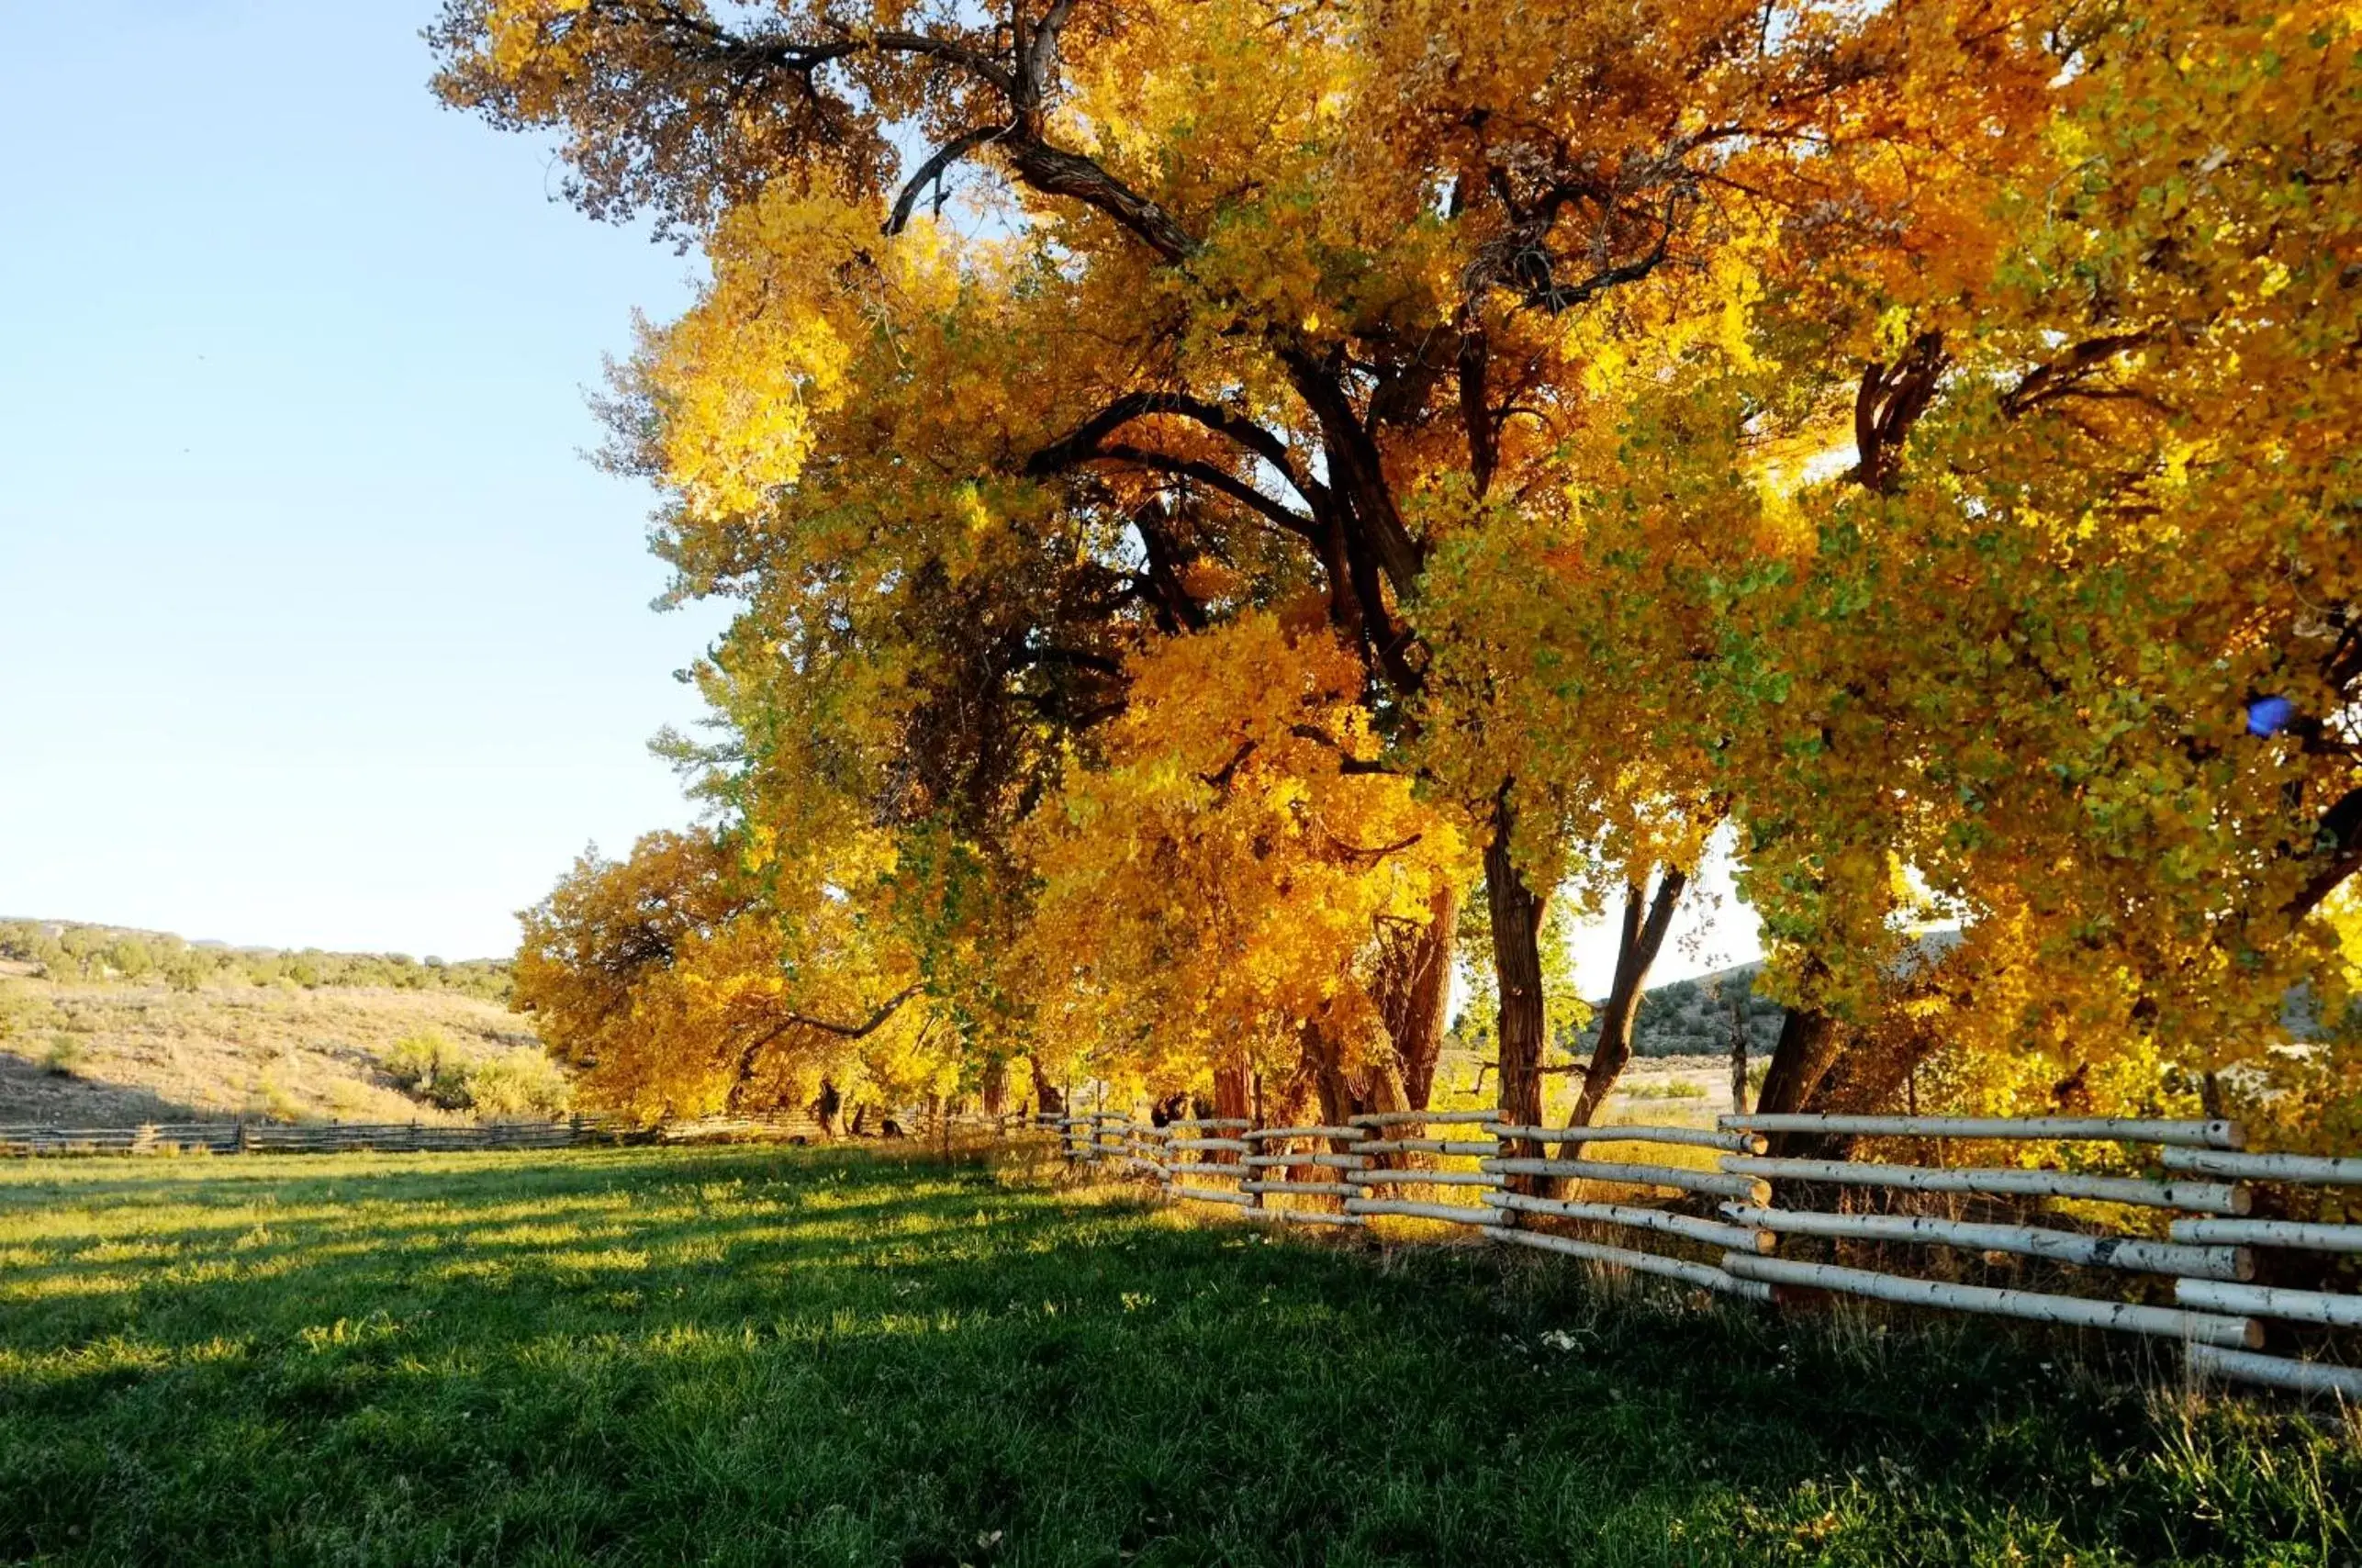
x,y
517,1083
65,1054
416,1060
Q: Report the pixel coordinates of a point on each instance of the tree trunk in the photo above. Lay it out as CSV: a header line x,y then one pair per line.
x,y
995,1087
1321,1066
1810,1045
1047,1098
1232,1093
1646,920
1738,1052
1517,912
1412,986
827,1107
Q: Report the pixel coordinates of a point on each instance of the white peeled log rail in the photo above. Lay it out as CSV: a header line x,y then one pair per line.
x,y
2081,1311
2118,1129
2271,1301
1210,1124
2203,1197
1262,1134
2028,1240
1694,1137
1427,1178
1453,1213
1233,1145
1680,1178
1327,1189
1713,1233
2278,1371
2302,1236
2327,1172
1306,1217
1428,1146
1187,1168
1336,1162
1423,1118
1208,1195
1706,1276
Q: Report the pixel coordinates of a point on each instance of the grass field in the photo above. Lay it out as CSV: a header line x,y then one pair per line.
x,y
768,1356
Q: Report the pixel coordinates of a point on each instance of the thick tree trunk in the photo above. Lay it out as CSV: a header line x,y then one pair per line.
x,y
1047,1098
1646,920
1412,986
1323,1068
1233,1092
828,1108
1517,912
995,1087
1810,1045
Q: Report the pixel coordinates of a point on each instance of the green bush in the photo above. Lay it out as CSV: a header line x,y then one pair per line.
x,y
521,1082
1672,1088
517,1083
416,1060
65,1054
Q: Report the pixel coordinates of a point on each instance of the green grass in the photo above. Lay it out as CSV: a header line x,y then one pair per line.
x,y
768,1356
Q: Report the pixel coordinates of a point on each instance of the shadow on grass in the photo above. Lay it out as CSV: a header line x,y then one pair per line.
x,y
754,1355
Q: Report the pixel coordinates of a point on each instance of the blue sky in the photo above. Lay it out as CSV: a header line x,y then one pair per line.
x,y
316,626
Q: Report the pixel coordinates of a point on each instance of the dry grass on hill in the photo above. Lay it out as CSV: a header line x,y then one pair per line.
x,y
119,1053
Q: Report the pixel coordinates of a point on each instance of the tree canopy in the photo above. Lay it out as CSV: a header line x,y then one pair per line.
x,y
1204,484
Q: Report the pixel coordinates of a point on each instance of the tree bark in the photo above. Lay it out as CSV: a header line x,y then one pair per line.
x,y
1413,988
1232,1092
995,1087
1808,1046
1739,1043
1047,1098
1517,912
828,1108
1646,920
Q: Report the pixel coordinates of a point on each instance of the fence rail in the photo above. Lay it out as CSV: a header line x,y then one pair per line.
x,y
414,1137
1431,1166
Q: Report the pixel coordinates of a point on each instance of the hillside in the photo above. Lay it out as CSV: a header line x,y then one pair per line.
x,y
106,1025
1695,1016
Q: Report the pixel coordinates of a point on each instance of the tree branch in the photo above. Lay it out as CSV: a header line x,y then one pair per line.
x,y
950,153
1078,442
1214,478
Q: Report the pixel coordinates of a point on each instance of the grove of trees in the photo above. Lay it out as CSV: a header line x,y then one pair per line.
x,y
66,950
1234,508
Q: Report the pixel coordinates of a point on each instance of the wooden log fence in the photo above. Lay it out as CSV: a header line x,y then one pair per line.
x,y
1637,1217
256,1136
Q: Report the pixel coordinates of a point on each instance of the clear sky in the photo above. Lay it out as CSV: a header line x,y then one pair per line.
x,y
315,626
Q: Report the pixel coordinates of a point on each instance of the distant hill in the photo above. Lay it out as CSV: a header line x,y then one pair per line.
x,y
1696,1016
66,949
103,1024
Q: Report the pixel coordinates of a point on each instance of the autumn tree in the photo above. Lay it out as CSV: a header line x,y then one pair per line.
x,y
2071,659
1343,279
